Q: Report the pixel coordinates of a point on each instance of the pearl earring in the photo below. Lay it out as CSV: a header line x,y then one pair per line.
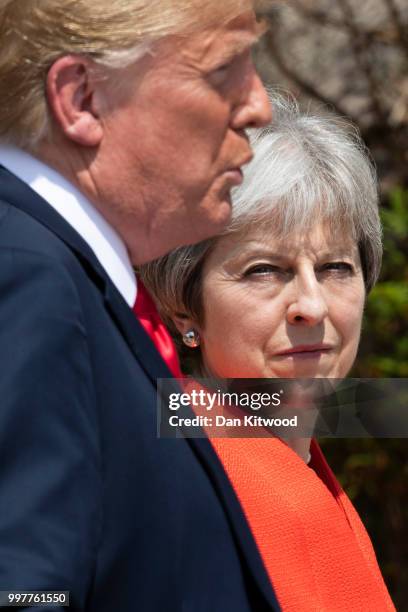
x,y
191,338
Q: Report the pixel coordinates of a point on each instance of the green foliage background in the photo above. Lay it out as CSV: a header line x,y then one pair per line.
x,y
374,471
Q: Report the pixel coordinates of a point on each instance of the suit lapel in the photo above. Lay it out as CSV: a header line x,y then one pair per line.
x,y
240,528
18,194
136,337
249,553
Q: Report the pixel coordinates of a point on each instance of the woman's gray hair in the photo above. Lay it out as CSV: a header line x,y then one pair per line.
x,y
306,168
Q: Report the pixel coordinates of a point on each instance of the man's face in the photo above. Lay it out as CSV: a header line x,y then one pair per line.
x,y
173,147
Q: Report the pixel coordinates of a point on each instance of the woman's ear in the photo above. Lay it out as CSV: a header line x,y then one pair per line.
x,y
184,324
73,93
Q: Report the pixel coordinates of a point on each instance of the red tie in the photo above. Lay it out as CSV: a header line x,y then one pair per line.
x,y
146,311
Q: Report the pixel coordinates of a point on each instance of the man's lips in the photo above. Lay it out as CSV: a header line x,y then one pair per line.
x,y
234,176
234,173
305,351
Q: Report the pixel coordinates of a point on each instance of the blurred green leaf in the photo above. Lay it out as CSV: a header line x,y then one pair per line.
x,y
374,472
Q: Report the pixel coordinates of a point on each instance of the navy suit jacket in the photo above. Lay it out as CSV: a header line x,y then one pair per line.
x,y
91,501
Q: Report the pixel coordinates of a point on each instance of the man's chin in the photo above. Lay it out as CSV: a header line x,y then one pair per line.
x,y
218,218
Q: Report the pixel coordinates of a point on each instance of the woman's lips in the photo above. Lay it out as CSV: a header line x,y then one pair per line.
x,y
304,351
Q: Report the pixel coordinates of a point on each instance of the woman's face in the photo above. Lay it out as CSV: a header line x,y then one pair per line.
x,y
289,309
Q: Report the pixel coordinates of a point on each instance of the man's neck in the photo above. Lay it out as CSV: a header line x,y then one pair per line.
x,y
71,204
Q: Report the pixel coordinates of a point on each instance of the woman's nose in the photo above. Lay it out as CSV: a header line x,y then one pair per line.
x,y
308,304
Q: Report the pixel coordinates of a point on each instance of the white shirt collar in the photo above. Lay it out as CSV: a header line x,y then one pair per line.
x,y
72,205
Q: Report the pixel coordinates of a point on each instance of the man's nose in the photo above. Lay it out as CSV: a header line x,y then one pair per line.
x,y
307,305
255,109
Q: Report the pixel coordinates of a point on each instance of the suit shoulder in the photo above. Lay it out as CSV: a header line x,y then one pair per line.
x,y
21,232
37,264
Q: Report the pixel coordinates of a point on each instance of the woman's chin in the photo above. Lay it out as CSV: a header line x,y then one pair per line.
x,y
302,370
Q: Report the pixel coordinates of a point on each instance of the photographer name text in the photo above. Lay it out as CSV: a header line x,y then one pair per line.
x,y
222,421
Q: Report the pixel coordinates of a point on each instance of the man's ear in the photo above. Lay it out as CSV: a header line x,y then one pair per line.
x,y
73,95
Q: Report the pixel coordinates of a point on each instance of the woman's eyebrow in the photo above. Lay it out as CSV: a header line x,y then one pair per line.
x,y
338,252
241,254
249,252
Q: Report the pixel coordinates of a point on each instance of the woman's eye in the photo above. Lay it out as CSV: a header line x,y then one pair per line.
x,y
338,266
261,270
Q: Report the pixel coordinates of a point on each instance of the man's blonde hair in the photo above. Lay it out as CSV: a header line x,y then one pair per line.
x,y
114,33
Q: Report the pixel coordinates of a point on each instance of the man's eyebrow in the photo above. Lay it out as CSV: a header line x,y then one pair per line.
x,y
245,42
